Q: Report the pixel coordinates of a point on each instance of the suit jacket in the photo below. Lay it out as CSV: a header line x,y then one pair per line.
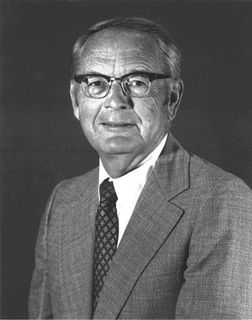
x,y
186,252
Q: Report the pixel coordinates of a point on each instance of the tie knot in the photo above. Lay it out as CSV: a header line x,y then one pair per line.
x,y
107,192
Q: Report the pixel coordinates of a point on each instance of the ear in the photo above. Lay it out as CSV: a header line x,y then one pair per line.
x,y
176,93
73,95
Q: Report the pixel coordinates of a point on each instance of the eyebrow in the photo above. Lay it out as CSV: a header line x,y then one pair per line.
x,y
94,73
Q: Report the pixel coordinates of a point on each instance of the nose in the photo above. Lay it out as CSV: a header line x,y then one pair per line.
x,y
117,99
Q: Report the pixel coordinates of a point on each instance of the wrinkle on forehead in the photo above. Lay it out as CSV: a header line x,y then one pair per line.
x,y
117,38
117,48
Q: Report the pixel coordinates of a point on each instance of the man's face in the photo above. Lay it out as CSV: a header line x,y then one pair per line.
x,y
118,124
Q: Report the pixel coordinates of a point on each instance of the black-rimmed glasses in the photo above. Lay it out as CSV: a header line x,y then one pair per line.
x,y
135,84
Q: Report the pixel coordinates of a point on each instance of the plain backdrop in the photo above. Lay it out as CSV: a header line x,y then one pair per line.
x,y
42,143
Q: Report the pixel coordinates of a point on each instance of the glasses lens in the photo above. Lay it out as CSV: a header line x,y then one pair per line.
x,y
137,85
95,87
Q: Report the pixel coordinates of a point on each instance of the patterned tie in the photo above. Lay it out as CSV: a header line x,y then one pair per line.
x,y
106,237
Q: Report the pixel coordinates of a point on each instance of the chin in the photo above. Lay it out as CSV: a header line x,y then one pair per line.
x,y
116,150
119,146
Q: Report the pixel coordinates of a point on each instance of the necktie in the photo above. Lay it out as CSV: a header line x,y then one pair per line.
x,y
106,236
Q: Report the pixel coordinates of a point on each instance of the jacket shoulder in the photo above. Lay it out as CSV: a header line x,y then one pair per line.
x,y
77,185
210,177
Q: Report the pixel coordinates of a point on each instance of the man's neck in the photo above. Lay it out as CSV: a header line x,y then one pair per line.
x,y
117,165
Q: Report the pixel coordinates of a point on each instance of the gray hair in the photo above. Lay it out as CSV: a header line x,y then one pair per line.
x,y
166,46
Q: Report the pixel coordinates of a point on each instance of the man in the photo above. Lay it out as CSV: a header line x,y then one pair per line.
x,y
154,232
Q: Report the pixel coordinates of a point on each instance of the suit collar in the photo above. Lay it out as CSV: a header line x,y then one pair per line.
x,y
151,223
172,169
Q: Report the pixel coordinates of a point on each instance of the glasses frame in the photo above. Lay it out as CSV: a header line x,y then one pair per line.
x,y
152,76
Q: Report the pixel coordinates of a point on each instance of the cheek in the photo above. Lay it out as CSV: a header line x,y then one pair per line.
x,y
88,110
153,113
85,117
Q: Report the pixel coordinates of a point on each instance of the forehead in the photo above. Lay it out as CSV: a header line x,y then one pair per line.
x,y
120,51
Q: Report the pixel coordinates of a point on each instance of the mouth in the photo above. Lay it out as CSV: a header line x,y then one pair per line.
x,y
119,125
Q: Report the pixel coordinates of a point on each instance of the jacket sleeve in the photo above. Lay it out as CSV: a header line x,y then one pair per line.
x,y
39,302
218,276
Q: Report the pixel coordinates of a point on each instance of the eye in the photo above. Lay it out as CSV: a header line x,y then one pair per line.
x,y
95,81
96,85
137,81
137,85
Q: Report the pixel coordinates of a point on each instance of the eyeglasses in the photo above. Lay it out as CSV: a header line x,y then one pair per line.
x,y
135,84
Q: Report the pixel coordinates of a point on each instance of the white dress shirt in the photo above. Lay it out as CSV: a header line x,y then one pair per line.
x,y
129,186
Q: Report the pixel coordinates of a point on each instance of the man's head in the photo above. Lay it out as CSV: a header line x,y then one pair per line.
x,y
126,117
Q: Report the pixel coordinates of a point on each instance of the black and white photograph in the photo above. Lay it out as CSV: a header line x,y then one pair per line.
x,y
126,159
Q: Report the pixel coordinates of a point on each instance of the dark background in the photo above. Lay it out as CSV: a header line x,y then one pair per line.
x,y
42,143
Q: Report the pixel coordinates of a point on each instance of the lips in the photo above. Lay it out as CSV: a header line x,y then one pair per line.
x,y
118,124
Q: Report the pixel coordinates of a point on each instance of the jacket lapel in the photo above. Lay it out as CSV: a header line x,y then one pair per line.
x,y
151,223
77,247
